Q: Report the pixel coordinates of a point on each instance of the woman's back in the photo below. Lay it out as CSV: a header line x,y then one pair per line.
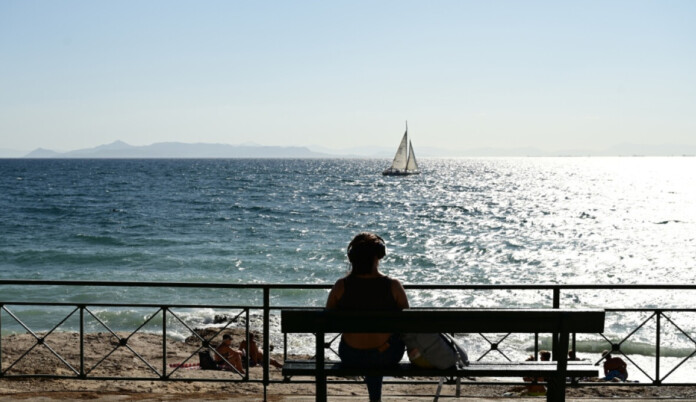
x,y
371,293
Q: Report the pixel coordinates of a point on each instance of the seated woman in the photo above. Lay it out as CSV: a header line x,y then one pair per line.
x,y
255,355
365,288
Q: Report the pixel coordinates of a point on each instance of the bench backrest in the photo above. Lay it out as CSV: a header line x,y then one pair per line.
x,y
449,320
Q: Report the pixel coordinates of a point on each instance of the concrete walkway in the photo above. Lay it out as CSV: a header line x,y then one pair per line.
x,y
64,396
477,399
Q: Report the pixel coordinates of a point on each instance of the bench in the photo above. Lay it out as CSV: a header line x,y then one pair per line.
x,y
558,322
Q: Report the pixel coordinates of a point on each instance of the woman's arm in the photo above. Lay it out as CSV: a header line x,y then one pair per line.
x,y
399,294
335,294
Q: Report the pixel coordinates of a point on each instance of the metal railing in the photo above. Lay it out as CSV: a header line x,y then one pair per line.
x,y
167,312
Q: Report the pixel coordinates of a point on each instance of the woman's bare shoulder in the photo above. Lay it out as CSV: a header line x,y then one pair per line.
x,y
396,283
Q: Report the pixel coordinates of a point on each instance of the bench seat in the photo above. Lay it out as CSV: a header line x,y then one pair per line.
x,y
560,323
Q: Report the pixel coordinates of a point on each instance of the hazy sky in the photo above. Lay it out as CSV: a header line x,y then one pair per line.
x,y
465,74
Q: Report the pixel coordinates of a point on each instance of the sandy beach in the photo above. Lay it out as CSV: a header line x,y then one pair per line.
x,y
104,356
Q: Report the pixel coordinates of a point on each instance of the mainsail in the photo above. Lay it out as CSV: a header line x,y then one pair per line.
x,y
401,157
405,160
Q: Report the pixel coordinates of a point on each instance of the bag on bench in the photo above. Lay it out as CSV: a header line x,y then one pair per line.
x,y
433,350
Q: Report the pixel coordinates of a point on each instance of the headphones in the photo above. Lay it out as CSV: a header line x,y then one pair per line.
x,y
364,246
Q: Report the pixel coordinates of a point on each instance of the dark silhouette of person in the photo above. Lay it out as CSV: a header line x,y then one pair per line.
x,y
366,288
614,368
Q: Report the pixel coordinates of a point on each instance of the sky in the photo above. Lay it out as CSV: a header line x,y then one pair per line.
x,y
339,74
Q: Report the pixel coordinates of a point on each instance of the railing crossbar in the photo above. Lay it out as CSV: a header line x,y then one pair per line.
x,y
687,357
493,346
41,340
616,347
679,328
124,342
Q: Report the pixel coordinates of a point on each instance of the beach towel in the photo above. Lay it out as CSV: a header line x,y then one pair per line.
x,y
188,366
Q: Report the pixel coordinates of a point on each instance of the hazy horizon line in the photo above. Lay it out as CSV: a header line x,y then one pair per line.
x,y
175,149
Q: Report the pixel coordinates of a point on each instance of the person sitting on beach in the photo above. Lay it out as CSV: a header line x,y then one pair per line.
x,y
233,356
255,355
365,288
614,368
537,389
533,389
572,356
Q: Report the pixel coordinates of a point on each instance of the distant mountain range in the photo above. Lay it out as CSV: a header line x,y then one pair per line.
x,y
120,149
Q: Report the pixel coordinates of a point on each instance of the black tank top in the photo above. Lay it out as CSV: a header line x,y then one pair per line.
x,y
367,294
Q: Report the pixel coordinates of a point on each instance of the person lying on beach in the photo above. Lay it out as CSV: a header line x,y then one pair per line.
x,y
233,356
255,355
365,288
614,368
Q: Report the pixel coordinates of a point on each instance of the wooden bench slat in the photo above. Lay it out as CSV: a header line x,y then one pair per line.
x,y
333,368
450,320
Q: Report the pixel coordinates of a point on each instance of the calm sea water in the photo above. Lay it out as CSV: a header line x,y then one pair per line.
x,y
483,221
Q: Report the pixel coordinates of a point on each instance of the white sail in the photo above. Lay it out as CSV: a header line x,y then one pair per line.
x,y
404,162
401,156
411,165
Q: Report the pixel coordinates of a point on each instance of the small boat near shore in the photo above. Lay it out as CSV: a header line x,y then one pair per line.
x,y
404,162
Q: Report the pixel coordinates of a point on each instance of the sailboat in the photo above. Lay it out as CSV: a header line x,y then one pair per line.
x,y
404,162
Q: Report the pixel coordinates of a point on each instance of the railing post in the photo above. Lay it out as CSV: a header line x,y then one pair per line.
x,y
2,307
554,336
246,338
82,341
164,342
658,326
266,340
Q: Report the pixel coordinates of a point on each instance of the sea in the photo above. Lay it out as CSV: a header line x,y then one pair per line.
x,y
566,220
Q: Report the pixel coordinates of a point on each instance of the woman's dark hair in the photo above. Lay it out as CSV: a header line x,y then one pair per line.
x,y
362,251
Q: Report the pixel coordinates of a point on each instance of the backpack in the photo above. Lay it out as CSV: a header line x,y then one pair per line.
x,y
206,361
433,350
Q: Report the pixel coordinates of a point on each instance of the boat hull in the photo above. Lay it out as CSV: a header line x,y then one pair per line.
x,y
390,172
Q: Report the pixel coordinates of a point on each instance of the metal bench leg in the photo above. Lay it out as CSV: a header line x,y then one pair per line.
x,y
555,390
557,383
321,389
321,374
439,388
